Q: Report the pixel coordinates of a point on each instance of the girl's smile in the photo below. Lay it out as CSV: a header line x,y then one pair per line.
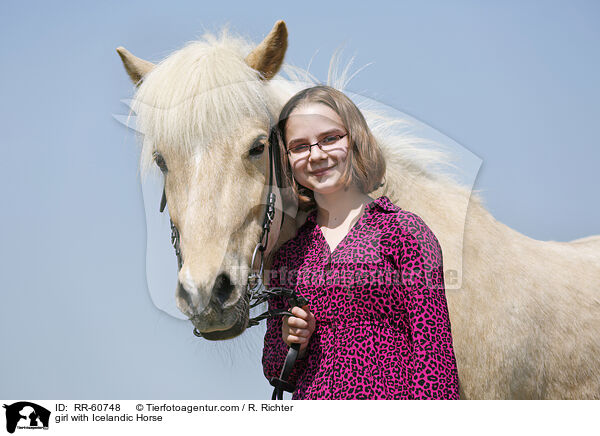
x,y
322,172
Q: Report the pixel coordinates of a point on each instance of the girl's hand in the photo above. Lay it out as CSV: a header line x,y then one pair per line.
x,y
298,328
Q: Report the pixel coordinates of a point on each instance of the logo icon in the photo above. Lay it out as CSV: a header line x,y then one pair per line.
x,y
26,415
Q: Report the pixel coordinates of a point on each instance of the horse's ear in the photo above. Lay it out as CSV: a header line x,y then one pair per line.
x,y
268,56
136,68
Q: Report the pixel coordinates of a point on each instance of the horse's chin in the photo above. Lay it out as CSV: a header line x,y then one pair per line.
x,y
216,324
220,335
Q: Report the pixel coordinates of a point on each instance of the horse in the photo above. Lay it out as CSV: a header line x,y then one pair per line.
x,y
525,314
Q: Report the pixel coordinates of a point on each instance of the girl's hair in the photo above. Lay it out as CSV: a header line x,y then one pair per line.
x,y
367,165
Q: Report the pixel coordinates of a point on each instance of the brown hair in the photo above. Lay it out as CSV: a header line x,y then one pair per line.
x,y
367,166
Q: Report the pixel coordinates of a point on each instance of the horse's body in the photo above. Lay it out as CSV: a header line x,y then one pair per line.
x,y
525,314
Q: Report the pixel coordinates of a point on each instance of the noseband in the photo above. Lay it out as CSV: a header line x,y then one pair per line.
x,y
256,292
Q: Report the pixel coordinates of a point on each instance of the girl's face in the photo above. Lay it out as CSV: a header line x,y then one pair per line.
x,y
320,170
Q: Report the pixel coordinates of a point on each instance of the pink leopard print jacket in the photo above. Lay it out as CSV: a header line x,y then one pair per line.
x,y
382,324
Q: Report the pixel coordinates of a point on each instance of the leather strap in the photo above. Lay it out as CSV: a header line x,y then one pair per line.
x,y
280,383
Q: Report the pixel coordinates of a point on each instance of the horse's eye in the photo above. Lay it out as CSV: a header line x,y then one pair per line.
x,y
160,161
258,146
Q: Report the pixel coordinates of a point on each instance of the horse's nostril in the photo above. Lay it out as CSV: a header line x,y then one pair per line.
x,y
223,288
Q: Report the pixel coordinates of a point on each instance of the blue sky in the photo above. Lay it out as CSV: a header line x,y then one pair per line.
x,y
514,82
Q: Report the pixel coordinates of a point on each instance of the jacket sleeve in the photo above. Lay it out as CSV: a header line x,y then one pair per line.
x,y
275,350
434,371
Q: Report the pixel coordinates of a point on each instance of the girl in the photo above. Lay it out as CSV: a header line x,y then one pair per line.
x,y
377,324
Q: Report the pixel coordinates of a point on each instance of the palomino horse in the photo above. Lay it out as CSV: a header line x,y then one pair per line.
x,y
526,316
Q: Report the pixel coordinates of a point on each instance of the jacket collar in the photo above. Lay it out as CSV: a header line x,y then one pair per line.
x,y
382,203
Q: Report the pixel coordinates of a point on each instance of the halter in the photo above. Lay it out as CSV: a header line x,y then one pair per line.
x,y
256,292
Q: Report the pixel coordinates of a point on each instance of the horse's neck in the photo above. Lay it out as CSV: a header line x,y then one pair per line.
x,y
441,203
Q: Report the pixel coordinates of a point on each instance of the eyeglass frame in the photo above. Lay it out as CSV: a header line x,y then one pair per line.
x,y
310,146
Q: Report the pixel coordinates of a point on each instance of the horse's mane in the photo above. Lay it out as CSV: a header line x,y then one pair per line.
x,y
184,103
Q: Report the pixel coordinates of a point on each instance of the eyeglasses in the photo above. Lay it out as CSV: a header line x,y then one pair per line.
x,y
326,144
